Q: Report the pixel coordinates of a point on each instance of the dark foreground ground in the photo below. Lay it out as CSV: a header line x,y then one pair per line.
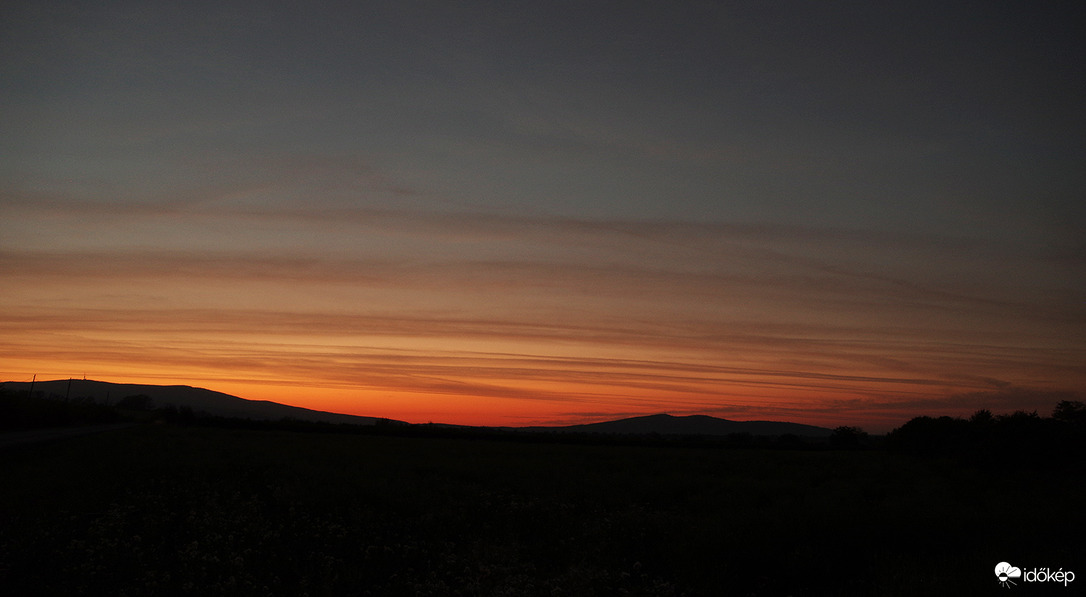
x,y
164,510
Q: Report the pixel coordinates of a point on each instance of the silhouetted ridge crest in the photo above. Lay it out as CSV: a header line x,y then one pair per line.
x,y
693,425
199,400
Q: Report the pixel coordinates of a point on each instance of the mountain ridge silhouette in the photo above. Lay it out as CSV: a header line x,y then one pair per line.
x,y
199,400
227,405
705,425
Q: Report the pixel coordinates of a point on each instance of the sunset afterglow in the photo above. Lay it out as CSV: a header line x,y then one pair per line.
x,y
497,216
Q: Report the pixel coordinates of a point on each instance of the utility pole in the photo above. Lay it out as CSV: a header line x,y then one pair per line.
x,y
32,382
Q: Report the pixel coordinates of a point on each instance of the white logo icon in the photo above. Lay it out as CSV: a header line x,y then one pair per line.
x,y
1005,572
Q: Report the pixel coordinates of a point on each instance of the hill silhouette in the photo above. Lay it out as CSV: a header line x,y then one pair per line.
x,y
219,404
200,400
704,425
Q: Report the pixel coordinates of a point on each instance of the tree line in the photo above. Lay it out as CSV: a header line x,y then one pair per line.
x,y
1016,437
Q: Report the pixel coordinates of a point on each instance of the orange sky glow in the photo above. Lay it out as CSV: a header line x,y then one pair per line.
x,y
517,322
539,213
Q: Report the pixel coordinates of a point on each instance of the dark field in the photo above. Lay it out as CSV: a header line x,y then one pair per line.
x,y
164,510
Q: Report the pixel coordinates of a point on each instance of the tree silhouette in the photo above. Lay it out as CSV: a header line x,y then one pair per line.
x,y
982,417
1070,411
999,440
929,436
848,438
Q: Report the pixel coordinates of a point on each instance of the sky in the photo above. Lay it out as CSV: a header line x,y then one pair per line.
x,y
497,213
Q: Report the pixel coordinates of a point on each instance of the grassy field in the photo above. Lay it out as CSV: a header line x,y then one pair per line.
x,y
165,510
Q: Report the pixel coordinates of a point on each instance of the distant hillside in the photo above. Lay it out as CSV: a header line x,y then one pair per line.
x,y
664,424
225,405
198,399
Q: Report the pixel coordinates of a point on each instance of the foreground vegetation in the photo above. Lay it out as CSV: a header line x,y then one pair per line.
x,y
168,509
